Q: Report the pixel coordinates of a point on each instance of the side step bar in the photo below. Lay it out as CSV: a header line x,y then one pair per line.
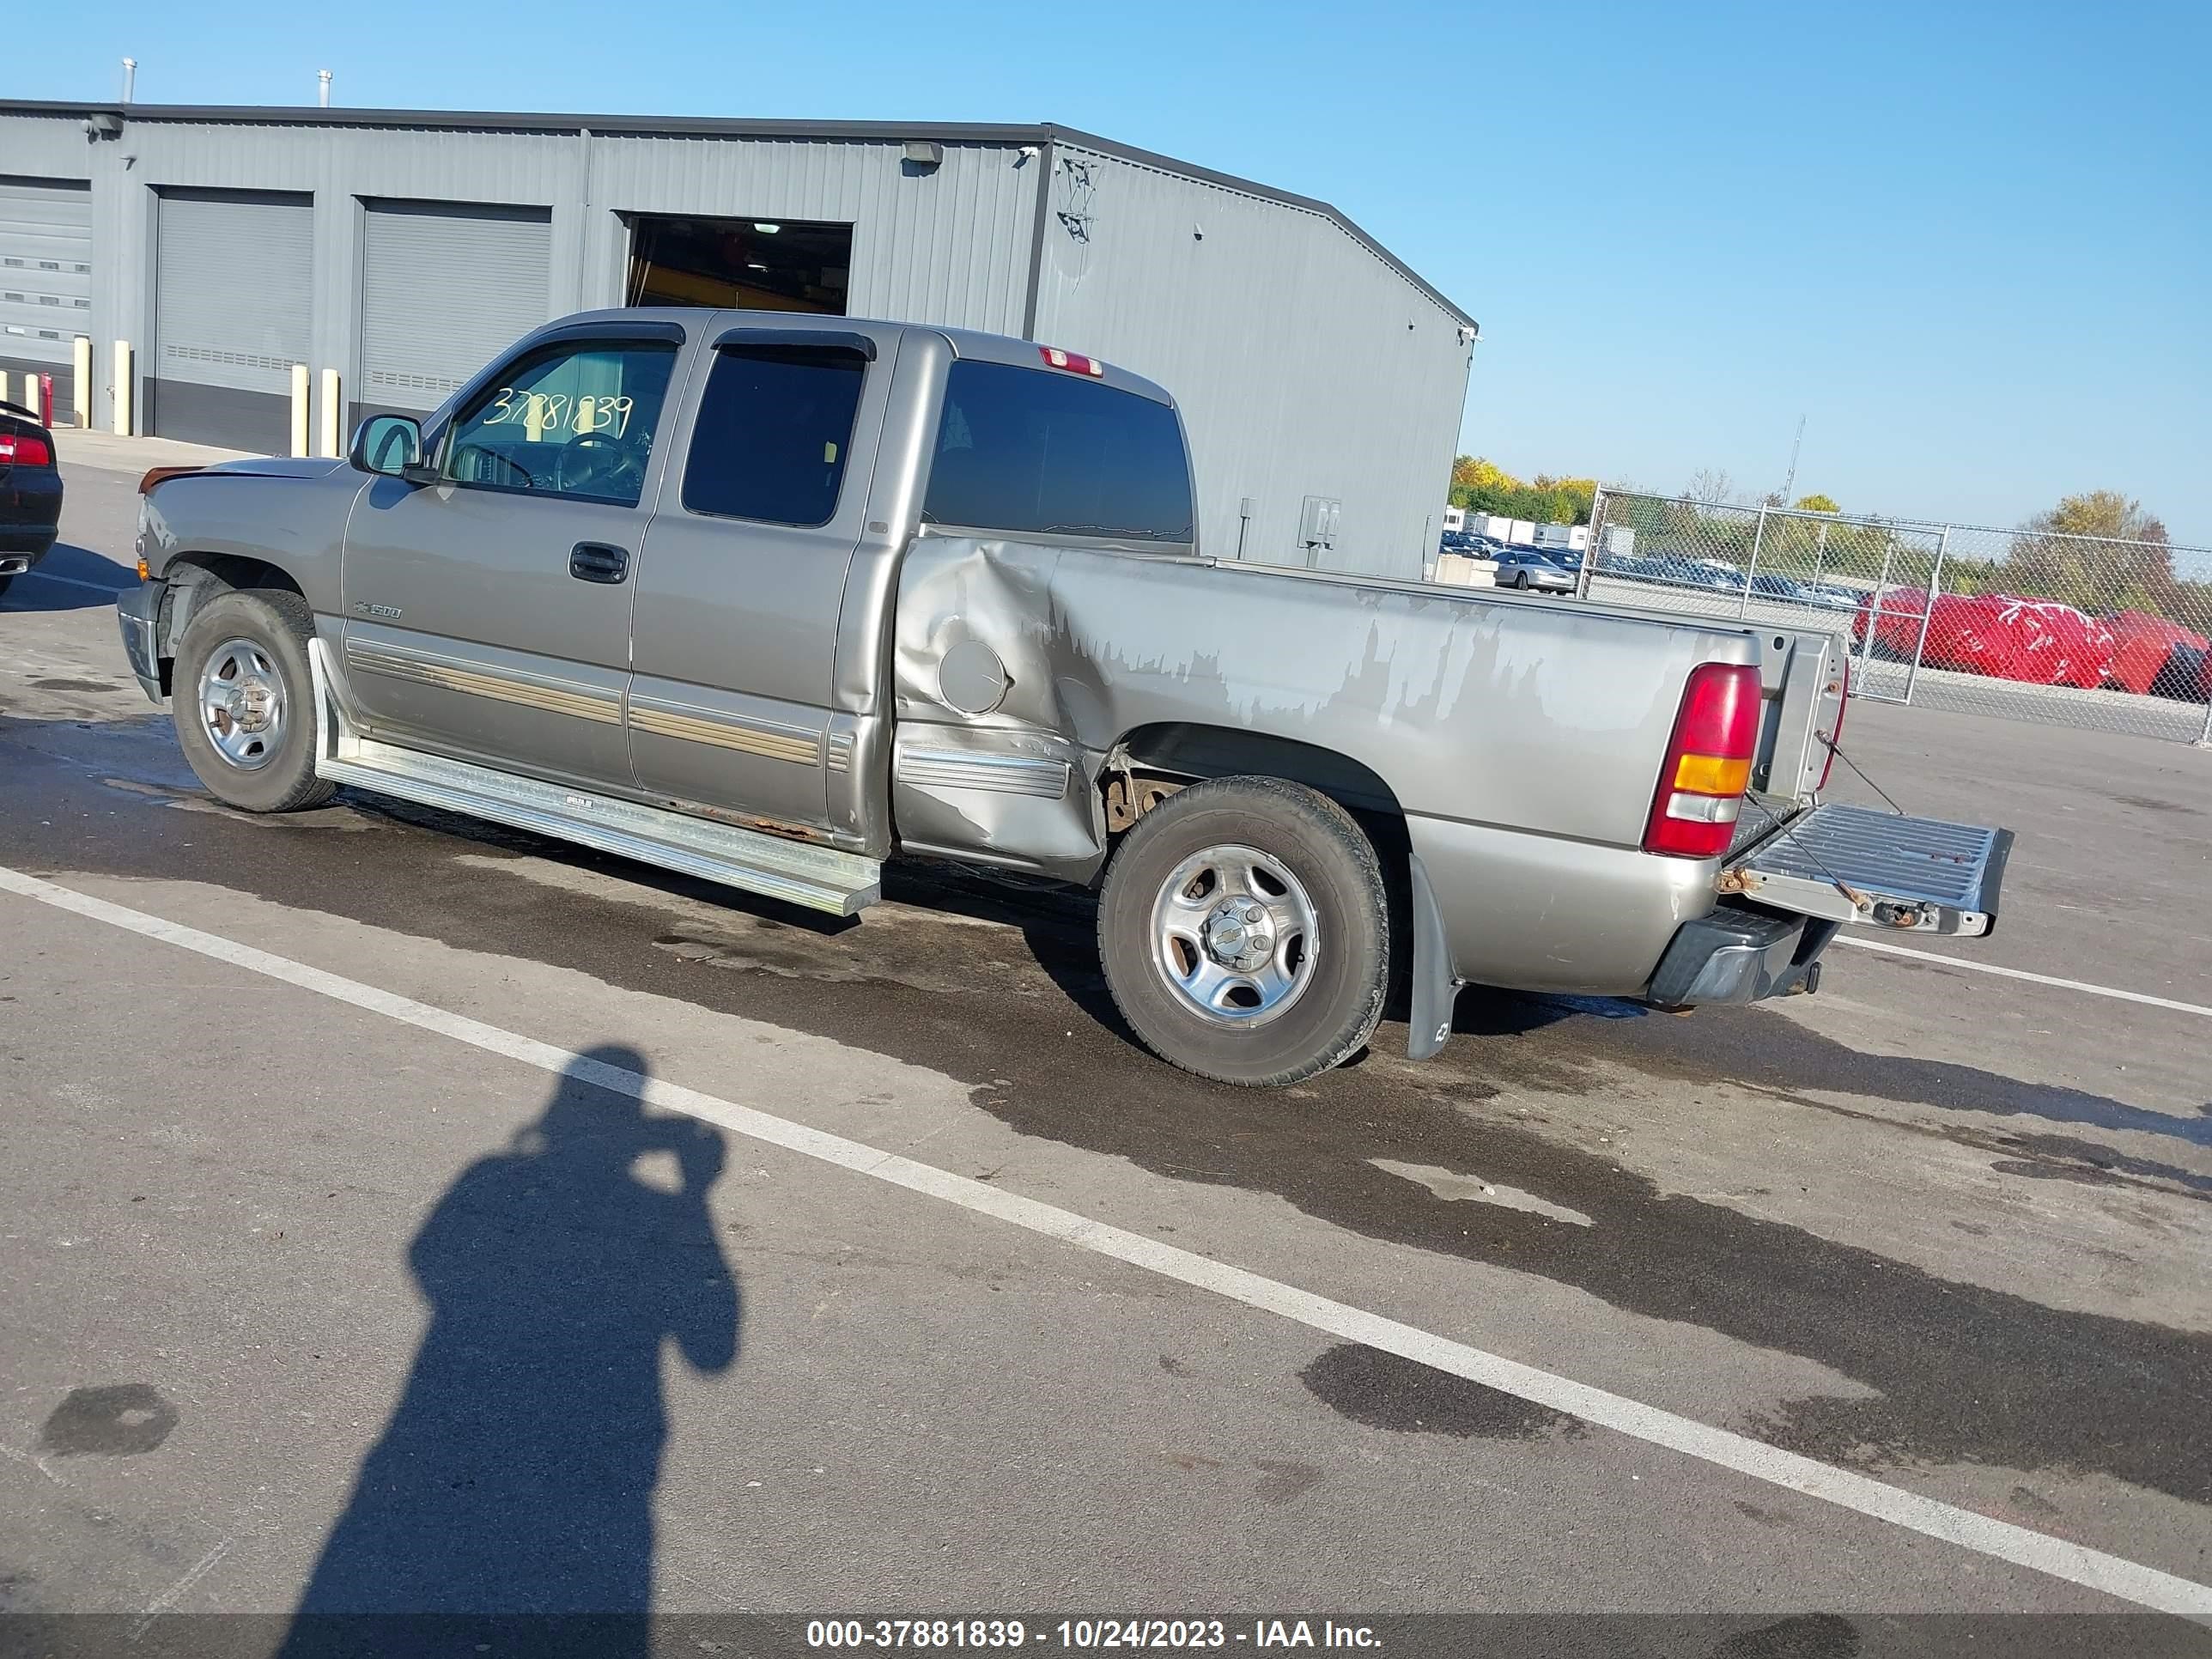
x,y
798,873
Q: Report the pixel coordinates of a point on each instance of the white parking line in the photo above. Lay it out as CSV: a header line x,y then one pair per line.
x,y
70,582
2114,1575
2117,995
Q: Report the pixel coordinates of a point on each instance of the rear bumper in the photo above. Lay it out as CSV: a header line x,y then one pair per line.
x,y
1741,953
30,511
138,614
22,545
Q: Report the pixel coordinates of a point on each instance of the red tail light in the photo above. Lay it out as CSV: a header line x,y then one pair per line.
x,y
1074,362
1708,763
1837,736
22,449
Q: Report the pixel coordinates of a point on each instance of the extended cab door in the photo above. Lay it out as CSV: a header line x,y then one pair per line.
x,y
739,591
488,615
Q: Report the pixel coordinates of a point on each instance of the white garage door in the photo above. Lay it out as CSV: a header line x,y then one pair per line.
x,y
45,268
235,299
445,287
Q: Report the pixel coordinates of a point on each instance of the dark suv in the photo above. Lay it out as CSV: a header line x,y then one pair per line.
x,y
30,492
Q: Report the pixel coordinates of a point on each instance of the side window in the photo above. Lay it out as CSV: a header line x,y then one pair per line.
x,y
573,419
1031,449
775,426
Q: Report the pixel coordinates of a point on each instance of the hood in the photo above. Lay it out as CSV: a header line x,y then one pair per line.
x,y
277,466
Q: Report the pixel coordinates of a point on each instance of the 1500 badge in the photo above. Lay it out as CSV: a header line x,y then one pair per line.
x,y
368,610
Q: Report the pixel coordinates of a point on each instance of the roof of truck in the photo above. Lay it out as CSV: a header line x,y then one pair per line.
x,y
967,343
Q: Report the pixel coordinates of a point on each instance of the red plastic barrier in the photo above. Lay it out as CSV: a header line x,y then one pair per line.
x,y
2038,641
2145,644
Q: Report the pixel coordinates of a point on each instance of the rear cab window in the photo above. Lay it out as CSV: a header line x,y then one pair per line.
x,y
1036,452
773,432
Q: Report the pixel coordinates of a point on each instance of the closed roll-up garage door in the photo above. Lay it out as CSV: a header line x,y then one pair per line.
x,y
45,278
445,287
234,289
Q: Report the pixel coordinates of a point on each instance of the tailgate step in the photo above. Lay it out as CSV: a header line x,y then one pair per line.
x,y
796,871
1853,864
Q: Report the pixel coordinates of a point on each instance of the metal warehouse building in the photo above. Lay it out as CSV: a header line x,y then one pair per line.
x,y
1321,378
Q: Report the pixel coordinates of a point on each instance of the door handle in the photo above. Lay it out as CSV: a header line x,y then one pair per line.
x,y
596,562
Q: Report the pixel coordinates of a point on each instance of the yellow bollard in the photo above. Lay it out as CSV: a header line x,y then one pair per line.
x,y
333,426
80,379
299,409
121,369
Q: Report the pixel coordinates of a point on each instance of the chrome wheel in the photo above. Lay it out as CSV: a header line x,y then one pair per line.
x,y
1234,935
241,704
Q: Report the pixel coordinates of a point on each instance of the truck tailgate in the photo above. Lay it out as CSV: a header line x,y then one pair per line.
x,y
1851,864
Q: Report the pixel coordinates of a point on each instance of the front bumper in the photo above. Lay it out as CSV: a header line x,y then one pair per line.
x,y
138,614
1741,953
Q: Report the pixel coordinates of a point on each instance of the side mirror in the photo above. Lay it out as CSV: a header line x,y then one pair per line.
x,y
391,446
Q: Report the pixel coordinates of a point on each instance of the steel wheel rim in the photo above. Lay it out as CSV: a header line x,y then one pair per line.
x,y
1235,937
242,704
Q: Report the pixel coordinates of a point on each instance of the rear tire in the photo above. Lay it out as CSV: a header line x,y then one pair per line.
x,y
245,704
1244,929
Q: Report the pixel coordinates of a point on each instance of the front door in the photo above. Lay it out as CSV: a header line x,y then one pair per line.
x,y
488,615
742,579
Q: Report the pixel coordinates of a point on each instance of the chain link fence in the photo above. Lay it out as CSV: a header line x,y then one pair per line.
x,y
2073,630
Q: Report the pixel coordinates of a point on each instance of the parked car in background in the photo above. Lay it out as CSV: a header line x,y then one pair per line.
x,y
1716,573
1533,570
1669,570
1834,596
1467,542
1794,590
30,492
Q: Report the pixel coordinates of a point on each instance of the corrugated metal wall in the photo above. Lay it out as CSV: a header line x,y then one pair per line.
x,y
947,246
1307,365
1304,364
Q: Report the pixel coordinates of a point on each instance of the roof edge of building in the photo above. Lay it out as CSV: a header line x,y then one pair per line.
x,y
974,133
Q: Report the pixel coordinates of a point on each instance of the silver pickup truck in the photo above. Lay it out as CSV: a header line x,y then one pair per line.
x,y
769,599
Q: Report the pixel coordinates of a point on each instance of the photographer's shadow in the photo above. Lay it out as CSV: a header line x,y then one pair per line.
x,y
516,1476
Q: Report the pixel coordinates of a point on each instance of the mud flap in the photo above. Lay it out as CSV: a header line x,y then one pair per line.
x,y
1434,990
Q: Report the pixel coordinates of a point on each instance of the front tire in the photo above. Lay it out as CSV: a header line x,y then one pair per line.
x,y
1244,929
245,703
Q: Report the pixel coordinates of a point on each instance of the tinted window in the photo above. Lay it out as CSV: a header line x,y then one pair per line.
x,y
575,419
773,430
1029,449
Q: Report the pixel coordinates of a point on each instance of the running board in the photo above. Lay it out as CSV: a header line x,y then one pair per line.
x,y
796,871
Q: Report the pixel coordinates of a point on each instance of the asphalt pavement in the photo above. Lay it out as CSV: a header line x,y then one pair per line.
x,y
452,1220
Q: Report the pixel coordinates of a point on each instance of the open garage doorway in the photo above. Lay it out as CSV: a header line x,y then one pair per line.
x,y
759,264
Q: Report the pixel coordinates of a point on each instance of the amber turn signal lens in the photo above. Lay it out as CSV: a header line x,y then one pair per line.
x,y
1712,774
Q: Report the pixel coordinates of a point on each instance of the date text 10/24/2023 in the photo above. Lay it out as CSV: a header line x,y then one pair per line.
x,y
1087,1634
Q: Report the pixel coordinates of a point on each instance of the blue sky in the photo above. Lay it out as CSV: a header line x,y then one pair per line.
x,y
1972,244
